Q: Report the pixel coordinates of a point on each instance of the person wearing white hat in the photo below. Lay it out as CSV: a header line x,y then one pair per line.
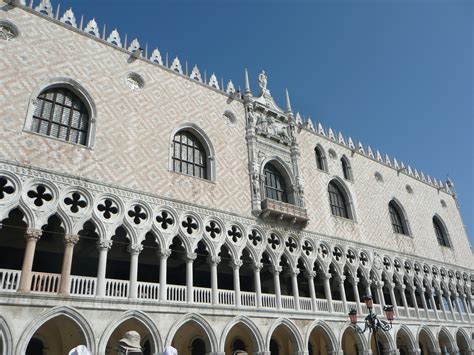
x,y
130,343
80,350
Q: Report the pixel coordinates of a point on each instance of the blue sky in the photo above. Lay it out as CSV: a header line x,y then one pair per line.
x,y
397,75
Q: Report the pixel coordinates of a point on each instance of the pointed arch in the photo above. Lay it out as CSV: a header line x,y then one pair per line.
x,y
131,314
360,339
201,322
5,337
278,180
463,337
441,231
250,326
326,329
450,341
426,331
340,199
65,311
404,330
192,136
292,328
398,217
321,160
387,340
346,169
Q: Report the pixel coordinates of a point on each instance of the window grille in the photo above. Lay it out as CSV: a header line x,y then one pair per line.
x,y
337,201
396,218
275,187
189,155
440,232
61,114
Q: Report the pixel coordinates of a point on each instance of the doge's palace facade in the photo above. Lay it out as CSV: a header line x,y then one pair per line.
x,y
139,194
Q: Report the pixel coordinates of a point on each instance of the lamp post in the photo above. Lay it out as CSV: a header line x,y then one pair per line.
x,y
371,322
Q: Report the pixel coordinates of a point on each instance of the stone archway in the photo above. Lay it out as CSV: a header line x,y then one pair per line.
x,y
6,343
381,343
241,334
463,342
446,342
426,341
192,334
284,338
404,341
128,321
321,340
352,343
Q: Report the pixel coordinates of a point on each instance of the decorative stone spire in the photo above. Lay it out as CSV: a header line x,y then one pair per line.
x,y
247,83
288,103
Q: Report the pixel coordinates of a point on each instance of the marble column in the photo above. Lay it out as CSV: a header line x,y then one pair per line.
x,y
433,303
32,236
294,284
70,240
258,285
355,282
236,264
104,246
393,299
404,300
276,278
423,301
450,304
312,293
327,291
413,298
380,296
189,277
464,297
134,250
164,255
214,261
342,290
441,302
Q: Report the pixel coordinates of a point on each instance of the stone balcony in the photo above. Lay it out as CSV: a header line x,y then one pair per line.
x,y
86,288
272,209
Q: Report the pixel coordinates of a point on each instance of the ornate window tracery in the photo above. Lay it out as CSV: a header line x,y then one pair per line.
x,y
441,233
397,219
337,201
189,155
61,114
275,187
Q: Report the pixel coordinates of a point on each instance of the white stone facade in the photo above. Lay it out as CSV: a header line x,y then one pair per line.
x,y
317,265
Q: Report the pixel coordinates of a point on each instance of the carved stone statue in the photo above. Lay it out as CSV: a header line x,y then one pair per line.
x,y
262,81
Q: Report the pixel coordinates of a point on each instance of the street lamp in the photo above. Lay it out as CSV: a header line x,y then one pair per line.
x,y
371,322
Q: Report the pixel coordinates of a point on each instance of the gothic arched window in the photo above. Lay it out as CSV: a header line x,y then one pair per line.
x,y
346,168
397,218
440,231
189,155
275,187
61,114
338,201
320,158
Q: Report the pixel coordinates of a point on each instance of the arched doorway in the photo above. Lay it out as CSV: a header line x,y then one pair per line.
x,y
445,342
284,339
380,343
352,343
191,338
404,342
57,335
131,324
462,341
319,342
242,337
426,341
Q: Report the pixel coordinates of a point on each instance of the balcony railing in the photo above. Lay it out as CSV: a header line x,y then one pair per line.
x,y
285,211
82,286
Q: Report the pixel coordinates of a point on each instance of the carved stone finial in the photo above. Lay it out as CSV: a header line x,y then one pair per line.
x,y
246,82
69,18
213,82
45,7
92,28
230,88
176,65
114,38
288,103
156,57
196,74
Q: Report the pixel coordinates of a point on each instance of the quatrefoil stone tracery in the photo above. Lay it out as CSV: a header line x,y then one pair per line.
x,y
307,248
213,229
108,208
189,225
6,187
137,213
234,233
75,202
273,241
255,237
291,245
165,219
39,194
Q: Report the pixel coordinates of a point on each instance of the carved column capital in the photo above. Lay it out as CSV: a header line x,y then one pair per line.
x,y
71,239
311,274
215,260
258,266
294,271
191,256
355,280
235,264
327,275
104,244
276,269
164,253
33,234
135,248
